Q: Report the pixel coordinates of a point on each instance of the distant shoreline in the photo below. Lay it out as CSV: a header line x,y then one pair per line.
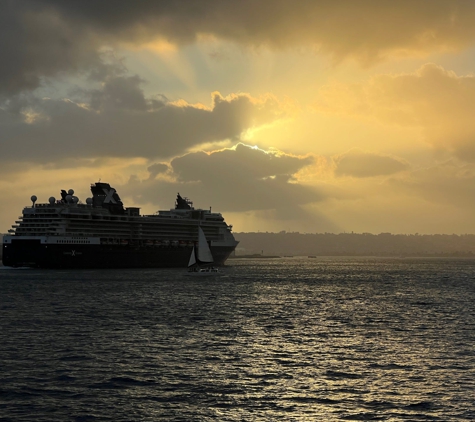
x,y
259,256
352,244
254,256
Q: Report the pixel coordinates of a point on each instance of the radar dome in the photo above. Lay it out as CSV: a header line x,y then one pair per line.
x,y
71,192
33,198
89,201
52,200
69,198
75,199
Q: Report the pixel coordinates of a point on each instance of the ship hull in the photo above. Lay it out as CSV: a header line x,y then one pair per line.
x,y
33,253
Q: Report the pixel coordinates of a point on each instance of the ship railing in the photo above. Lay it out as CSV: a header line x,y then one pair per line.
x,y
61,205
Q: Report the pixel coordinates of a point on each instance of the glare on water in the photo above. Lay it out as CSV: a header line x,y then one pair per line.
x,y
287,339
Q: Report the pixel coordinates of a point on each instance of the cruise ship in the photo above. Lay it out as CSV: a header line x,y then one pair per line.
x,y
102,233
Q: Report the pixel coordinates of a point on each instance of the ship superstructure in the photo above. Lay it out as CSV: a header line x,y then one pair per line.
x,y
102,233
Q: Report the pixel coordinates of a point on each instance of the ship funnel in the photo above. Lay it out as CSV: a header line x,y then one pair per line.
x,y
105,196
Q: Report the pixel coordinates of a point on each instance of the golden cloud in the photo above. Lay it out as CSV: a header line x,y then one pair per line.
x,y
438,101
358,163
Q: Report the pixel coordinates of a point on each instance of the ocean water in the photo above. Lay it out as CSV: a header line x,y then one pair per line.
x,y
290,339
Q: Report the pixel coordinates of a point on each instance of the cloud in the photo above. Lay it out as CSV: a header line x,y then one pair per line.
x,y
157,168
449,182
432,98
117,120
359,163
243,162
242,178
122,93
44,39
38,43
247,183
438,198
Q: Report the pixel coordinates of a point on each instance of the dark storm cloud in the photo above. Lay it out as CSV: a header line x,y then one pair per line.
x,y
120,93
358,163
242,162
44,38
37,42
240,179
119,121
156,169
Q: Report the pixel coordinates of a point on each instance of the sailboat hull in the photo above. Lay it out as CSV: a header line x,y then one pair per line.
x,y
204,273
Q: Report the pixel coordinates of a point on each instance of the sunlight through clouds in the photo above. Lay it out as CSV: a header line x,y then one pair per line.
x,y
348,115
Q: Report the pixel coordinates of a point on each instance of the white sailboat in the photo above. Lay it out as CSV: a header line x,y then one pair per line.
x,y
201,259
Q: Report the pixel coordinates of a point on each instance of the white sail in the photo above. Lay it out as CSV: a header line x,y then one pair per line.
x,y
204,253
192,260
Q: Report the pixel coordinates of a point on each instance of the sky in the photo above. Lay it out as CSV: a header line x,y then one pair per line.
x,y
312,116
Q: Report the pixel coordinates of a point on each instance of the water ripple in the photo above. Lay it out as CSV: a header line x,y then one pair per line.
x,y
293,339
